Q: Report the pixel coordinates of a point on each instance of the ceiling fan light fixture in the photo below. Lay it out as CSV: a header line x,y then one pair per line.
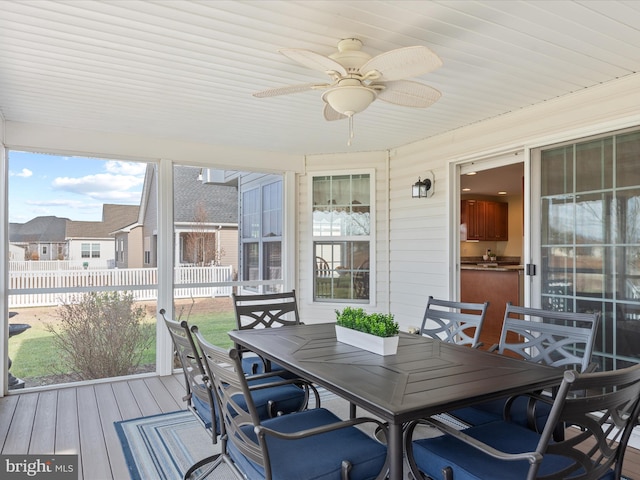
x,y
349,100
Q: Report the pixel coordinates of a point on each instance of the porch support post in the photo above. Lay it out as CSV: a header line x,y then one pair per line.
x,y
164,359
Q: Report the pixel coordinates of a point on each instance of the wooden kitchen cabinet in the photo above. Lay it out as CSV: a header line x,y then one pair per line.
x,y
472,215
496,221
485,220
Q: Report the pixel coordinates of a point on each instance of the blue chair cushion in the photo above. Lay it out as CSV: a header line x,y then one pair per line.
x,y
287,398
493,410
474,416
203,410
433,454
252,365
318,457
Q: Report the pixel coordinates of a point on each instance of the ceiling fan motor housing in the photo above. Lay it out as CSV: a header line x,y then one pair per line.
x,y
350,55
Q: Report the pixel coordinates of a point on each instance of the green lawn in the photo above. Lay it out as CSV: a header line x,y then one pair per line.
x,y
33,352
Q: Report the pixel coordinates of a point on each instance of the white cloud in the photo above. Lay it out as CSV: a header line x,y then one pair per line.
x,y
113,187
120,185
94,184
26,173
126,168
75,204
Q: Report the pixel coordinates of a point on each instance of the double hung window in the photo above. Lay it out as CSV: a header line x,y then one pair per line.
x,y
341,217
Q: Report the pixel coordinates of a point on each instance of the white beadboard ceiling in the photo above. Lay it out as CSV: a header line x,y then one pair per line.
x,y
187,69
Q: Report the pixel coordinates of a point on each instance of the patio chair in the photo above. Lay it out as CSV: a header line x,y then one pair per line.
x,y
313,444
602,407
558,339
273,395
198,397
263,311
454,322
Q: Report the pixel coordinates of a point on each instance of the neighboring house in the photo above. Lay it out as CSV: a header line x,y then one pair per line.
x,y
42,238
205,220
128,246
92,242
54,238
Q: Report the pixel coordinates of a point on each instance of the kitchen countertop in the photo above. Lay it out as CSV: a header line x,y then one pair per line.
x,y
498,268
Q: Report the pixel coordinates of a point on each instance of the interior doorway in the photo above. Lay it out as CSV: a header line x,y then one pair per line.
x,y
491,248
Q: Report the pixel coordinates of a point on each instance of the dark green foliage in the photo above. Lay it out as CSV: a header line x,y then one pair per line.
x,y
379,324
101,335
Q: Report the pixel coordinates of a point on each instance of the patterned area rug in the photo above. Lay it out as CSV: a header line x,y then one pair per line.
x,y
163,447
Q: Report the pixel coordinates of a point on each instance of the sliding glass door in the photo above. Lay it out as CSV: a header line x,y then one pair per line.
x,y
585,228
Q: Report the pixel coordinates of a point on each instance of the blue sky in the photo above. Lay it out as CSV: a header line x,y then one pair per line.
x,y
69,187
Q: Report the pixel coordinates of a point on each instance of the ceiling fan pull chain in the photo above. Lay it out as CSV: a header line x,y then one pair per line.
x,y
350,130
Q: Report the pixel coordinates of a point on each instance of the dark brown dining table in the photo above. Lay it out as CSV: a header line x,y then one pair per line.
x,y
425,377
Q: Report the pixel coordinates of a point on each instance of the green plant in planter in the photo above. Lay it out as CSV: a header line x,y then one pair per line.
x,y
379,324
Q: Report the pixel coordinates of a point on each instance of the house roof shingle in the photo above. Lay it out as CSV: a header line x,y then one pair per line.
x,y
39,229
220,202
114,217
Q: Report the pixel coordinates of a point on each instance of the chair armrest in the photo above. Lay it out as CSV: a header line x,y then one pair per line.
x,y
262,431
592,367
259,376
278,381
298,381
531,457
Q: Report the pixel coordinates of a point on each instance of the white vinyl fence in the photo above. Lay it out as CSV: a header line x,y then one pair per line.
x,y
54,287
48,265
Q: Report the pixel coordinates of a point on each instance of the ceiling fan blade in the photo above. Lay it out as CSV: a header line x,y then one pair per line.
x,y
313,60
401,63
330,114
408,93
288,89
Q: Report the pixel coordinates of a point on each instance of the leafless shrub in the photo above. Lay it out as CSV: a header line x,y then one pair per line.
x,y
101,334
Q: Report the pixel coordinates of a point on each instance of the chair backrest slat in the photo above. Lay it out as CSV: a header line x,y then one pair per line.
x,y
559,339
454,322
266,310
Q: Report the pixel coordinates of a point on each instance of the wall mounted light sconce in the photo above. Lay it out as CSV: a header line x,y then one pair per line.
x,y
423,188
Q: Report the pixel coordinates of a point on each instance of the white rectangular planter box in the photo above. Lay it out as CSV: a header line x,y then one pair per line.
x,y
366,341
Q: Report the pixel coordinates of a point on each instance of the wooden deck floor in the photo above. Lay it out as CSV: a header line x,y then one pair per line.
x,y
80,420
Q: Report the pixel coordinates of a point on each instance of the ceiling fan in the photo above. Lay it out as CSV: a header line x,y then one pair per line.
x,y
357,79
